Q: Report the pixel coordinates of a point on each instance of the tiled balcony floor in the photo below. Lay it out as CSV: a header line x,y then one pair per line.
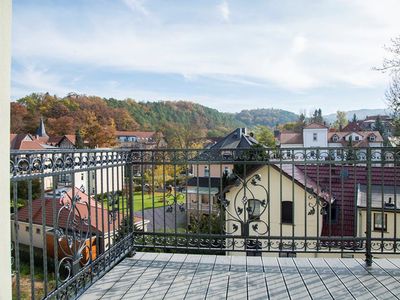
x,y
179,276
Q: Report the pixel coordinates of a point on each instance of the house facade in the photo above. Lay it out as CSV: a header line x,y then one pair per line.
x,y
103,225
140,139
273,202
203,188
315,136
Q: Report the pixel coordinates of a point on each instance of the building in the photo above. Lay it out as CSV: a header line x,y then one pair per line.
x,y
104,223
232,144
140,139
385,207
315,136
274,201
203,188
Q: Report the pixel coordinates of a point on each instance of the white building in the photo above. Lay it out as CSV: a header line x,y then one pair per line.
x,y
317,136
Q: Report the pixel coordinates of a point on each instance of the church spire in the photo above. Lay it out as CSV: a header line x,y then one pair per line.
x,y
41,131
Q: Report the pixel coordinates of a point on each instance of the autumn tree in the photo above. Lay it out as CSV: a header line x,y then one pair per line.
x,y
60,126
96,134
18,114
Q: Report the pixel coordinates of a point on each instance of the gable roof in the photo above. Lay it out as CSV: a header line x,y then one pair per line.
x,y
342,183
237,139
315,126
291,138
104,216
352,126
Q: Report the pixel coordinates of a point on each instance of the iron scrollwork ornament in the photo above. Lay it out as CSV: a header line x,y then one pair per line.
x,y
73,233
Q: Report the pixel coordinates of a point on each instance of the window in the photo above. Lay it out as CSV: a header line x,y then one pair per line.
x,y
37,230
380,221
206,171
372,138
335,138
335,212
287,212
227,170
356,138
315,136
27,228
288,153
82,176
254,209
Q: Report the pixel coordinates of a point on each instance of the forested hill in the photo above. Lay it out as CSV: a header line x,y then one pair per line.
x,y
97,118
162,114
266,116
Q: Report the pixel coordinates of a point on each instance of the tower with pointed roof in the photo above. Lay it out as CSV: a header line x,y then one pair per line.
x,y
41,131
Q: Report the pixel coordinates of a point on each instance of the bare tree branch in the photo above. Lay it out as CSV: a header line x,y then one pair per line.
x,y
392,63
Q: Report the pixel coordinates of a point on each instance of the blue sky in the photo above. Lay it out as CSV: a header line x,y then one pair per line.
x,y
229,55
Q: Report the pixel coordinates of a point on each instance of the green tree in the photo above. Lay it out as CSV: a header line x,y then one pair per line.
x,y
379,126
354,120
265,136
317,117
341,120
79,144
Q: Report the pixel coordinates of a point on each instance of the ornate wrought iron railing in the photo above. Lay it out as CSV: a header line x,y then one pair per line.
x,y
77,213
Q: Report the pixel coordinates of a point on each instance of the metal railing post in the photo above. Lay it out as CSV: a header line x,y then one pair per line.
x,y
368,254
131,216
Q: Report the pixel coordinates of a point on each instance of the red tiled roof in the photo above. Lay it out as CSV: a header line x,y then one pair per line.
x,y
291,138
364,142
315,126
17,139
342,183
98,216
31,145
352,126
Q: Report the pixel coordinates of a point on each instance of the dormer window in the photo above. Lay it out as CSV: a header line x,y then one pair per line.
x,y
356,138
335,138
372,138
206,171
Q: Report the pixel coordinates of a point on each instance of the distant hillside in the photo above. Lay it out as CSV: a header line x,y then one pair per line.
x,y
266,116
157,115
97,119
360,113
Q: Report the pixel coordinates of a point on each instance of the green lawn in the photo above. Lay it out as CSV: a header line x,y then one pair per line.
x,y
149,201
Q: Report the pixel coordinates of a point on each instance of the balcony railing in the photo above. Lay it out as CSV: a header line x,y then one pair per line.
x,y
288,202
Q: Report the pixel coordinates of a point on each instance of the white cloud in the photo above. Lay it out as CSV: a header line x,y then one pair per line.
x,y
311,50
137,6
299,44
223,9
33,79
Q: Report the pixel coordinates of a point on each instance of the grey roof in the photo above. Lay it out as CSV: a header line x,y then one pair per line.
x,y
237,139
41,131
390,194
